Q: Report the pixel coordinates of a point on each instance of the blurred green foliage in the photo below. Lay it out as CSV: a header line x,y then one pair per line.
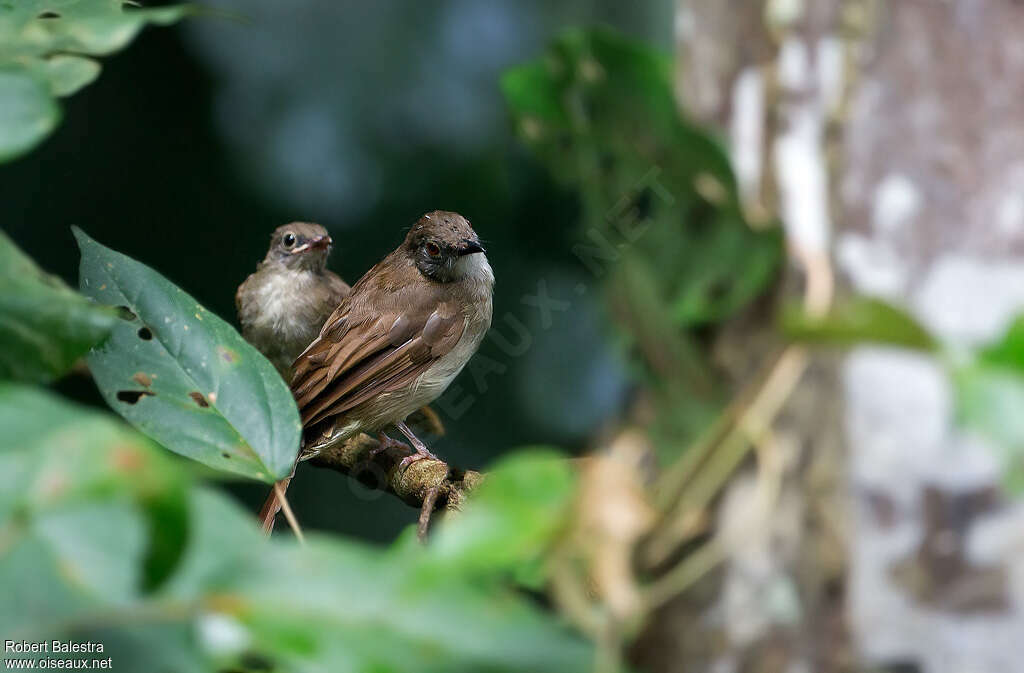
x,y
857,320
184,376
45,52
44,325
988,381
77,503
598,110
661,223
990,397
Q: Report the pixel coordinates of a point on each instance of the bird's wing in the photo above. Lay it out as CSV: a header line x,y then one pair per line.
x,y
240,308
361,354
339,288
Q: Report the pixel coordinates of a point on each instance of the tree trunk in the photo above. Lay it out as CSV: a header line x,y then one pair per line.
x,y
888,138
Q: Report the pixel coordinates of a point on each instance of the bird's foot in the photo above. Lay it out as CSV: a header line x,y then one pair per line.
x,y
384,443
422,452
419,455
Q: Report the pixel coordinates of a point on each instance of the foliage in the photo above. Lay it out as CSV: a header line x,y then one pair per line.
x,y
858,320
990,396
989,381
104,537
661,220
44,325
79,525
45,52
599,111
184,376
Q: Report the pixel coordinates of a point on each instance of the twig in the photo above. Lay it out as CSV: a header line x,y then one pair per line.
x,y
362,459
288,514
711,553
680,578
429,502
724,448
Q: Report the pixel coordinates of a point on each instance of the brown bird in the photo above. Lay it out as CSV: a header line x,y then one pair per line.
x,y
393,345
405,331
284,304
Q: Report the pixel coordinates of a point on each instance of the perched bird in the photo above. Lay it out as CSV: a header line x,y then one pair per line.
x,y
283,305
407,328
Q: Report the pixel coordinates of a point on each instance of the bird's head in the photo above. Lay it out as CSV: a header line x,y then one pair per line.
x,y
300,246
445,248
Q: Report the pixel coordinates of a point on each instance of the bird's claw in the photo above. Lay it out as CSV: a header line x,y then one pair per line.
x,y
383,444
416,457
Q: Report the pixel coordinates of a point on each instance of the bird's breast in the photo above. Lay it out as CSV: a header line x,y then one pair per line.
x,y
439,376
284,313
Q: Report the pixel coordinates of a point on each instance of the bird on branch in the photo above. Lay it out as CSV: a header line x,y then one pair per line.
x,y
394,342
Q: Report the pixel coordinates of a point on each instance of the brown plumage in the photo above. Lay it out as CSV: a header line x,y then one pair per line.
x,y
396,341
282,306
407,328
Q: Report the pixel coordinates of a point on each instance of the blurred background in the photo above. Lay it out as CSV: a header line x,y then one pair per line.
x,y
681,202
204,137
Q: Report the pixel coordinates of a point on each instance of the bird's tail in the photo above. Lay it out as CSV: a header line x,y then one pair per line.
x,y
272,505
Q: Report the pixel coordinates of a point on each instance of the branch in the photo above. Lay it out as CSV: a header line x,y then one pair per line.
x,y
416,484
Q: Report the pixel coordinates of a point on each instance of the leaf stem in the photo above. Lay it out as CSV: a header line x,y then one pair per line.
x,y
288,514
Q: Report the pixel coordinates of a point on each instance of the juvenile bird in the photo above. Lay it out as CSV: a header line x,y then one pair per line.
x,y
284,304
407,328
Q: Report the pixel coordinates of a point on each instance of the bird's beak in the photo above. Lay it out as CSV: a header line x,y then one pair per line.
x,y
315,243
469,247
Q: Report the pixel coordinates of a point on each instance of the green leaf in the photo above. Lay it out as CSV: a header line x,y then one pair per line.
x,y
100,547
990,396
335,605
44,45
600,113
447,624
989,401
28,112
661,224
511,518
185,377
858,320
75,491
1008,351
45,326
34,591
66,74
54,452
74,540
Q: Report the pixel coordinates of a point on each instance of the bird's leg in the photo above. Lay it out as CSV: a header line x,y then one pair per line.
x,y
421,449
384,443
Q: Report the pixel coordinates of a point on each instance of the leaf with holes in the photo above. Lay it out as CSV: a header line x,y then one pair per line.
x,y
45,47
184,376
45,326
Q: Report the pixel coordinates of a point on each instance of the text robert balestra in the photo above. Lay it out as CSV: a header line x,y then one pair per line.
x,y
57,646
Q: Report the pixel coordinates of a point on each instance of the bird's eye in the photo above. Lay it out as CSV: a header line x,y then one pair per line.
x,y
289,240
433,249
